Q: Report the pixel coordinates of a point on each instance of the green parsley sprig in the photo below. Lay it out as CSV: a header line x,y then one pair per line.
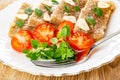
x,y
20,23
45,51
54,1
91,21
67,9
28,11
98,11
38,12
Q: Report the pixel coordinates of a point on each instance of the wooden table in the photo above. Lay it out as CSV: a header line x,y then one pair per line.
x,y
106,72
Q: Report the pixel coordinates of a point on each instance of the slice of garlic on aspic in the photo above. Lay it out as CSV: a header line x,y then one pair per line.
x,y
46,17
82,24
22,16
71,2
103,4
70,18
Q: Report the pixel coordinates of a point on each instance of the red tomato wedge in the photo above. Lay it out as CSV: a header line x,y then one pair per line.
x,y
80,41
81,55
64,23
44,32
22,40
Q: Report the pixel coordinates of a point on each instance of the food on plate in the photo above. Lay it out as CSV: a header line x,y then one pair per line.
x,y
94,18
66,32
44,32
22,40
67,10
21,19
42,12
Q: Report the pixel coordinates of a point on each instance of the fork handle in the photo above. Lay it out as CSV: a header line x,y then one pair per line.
x,y
106,38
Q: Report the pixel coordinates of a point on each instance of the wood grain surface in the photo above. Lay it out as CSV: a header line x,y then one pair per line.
x,y
106,72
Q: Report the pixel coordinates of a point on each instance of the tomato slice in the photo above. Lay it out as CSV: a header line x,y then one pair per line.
x,y
64,23
80,41
81,55
44,32
22,40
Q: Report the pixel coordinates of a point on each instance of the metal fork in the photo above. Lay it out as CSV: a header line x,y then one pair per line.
x,y
67,63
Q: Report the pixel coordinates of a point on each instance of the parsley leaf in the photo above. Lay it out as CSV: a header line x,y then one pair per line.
x,y
90,20
77,8
54,2
75,0
98,11
35,44
63,52
20,23
44,44
38,12
67,9
54,40
65,31
48,8
28,11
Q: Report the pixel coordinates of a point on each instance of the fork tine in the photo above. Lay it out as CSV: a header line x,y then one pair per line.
x,y
53,64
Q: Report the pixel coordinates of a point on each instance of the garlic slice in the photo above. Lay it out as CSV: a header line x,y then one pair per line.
x,y
46,17
70,18
22,16
82,24
71,2
102,4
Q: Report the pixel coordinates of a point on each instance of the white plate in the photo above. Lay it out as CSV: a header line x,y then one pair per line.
x,y
103,53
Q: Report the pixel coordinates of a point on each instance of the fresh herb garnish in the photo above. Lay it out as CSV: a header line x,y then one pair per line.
x,y
63,52
54,40
75,0
43,51
20,23
90,20
35,44
28,11
38,12
48,8
54,2
67,9
65,31
77,8
98,11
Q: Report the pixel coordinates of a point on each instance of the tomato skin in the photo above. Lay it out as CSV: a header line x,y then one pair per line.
x,y
22,40
79,56
44,32
80,41
68,23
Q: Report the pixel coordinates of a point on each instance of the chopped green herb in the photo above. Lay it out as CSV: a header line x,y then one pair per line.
x,y
44,44
48,8
28,11
54,40
75,0
98,11
20,23
77,8
54,1
59,35
90,20
67,9
65,31
38,12
35,44
63,52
